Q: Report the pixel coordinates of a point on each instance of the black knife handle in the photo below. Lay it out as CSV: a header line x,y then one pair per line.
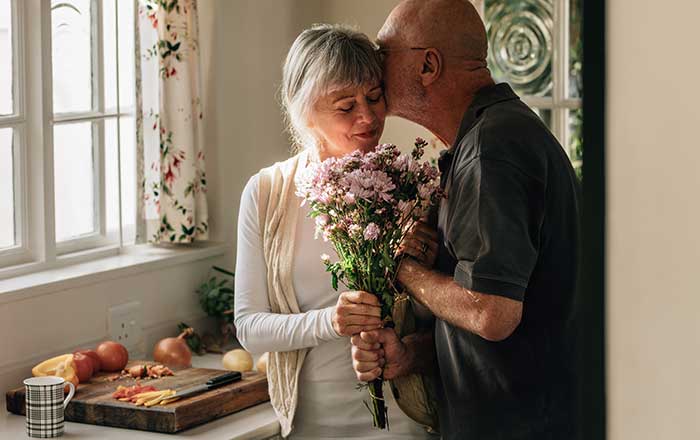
x,y
224,379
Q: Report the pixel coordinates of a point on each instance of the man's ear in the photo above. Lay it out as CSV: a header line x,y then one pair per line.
x,y
431,67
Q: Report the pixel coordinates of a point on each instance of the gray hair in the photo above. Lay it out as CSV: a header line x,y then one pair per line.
x,y
323,58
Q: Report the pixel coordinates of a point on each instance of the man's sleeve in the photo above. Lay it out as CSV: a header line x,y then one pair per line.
x,y
506,211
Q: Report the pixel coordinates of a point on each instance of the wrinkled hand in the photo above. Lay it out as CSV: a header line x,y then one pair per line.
x,y
375,350
356,311
421,243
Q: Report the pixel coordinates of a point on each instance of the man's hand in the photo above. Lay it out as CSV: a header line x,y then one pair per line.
x,y
356,311
421,243
377,349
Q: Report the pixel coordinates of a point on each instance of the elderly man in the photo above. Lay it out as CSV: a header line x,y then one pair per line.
x,y
500,272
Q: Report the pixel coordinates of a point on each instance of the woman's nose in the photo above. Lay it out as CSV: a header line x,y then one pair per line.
x,y
367,114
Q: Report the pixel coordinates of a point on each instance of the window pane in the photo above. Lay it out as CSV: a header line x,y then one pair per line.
x,y
110,55
72,42
7,201
126,55
520,34
74,174
575,49
127,91
128,138
575,141
111,178
128,176
6,104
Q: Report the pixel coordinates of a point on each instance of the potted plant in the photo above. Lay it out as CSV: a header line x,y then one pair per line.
x,y
216,299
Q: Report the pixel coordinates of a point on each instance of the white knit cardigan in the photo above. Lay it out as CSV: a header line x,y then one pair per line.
x,y
278,210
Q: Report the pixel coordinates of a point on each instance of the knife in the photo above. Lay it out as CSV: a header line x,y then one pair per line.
x,y
212,383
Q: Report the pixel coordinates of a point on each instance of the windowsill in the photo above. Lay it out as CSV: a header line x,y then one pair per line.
x,y
131,260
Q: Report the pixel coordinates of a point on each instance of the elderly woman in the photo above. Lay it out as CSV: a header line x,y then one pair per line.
x,y
285,305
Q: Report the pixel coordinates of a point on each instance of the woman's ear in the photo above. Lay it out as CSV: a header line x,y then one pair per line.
x,y
431,67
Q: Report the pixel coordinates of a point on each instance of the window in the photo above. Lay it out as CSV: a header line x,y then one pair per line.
x,y
67,129
11,127
536,46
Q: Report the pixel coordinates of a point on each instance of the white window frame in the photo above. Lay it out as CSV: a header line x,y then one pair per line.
x,y
560,104
34,119
17,121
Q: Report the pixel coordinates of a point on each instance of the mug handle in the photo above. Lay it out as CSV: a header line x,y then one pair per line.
x,y
70,394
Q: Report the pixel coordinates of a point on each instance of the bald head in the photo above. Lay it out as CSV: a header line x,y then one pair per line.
x,y
452,26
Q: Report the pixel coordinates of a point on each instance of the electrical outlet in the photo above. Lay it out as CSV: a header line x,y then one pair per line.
x,y
124,324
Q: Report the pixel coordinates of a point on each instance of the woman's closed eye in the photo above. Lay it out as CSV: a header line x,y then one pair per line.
x,y
347,108
375,97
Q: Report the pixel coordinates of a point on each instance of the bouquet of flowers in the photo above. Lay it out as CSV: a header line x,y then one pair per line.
x,y
365,205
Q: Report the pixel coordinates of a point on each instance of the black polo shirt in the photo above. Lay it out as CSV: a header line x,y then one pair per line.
x,y
509,227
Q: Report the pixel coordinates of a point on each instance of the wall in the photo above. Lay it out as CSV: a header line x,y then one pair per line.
x,y
653,211
60,320
243,46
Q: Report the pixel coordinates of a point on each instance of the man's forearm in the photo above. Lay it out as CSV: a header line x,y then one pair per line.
x,y
489,316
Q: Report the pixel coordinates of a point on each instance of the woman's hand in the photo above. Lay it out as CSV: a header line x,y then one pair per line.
x,y
379,351
421,243
356,311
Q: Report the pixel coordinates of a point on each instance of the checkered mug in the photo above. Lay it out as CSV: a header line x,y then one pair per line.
x,y
45,404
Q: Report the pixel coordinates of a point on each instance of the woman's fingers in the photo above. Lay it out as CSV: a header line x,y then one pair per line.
x,y
356,311
358,297
367,355
359,309
368,376
359,342
351,330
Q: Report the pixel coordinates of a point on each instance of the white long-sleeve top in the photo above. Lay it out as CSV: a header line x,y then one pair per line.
x,y
328,406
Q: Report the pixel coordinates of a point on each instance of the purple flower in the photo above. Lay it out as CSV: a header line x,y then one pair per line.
x,y
371,232
370,185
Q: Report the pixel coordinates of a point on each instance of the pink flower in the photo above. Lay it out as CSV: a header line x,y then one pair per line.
x,y
349,198
169,176
354,229
404,208
371,232
322,220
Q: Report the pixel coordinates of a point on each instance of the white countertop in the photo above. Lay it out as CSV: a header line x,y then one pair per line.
x,y
255,423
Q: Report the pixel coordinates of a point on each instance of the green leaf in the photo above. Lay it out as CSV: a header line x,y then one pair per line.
x,y
334,281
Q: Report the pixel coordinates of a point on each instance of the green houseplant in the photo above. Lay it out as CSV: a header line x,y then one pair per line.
x,y
216,299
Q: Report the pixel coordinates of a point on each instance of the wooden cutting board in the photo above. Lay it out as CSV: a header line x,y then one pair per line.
x,y
93,402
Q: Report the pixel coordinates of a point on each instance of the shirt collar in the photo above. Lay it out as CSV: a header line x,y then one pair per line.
x,y
484,98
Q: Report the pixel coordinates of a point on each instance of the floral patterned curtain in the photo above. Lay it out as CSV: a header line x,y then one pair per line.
x,y
170,150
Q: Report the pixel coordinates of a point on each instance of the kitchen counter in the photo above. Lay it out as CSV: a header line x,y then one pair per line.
x,y
255,423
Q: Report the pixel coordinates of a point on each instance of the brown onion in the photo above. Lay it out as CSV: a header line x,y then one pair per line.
x,y
174,352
